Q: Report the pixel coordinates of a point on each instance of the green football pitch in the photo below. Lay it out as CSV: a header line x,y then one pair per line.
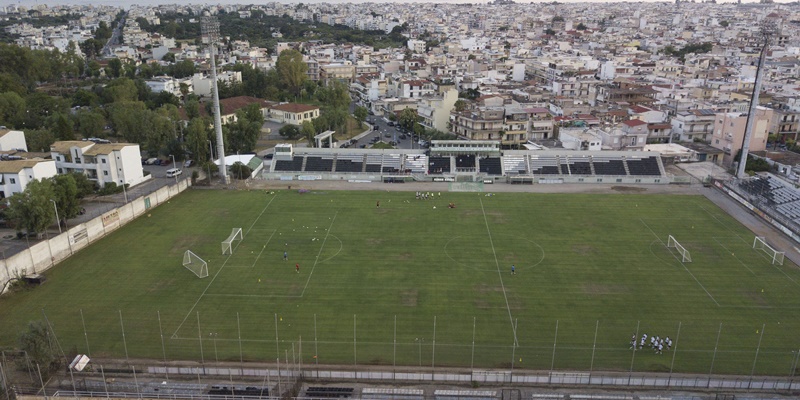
x,y
414,282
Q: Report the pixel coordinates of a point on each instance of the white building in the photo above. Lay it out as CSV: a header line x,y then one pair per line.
x,y
102,163
580,139
17,174
12,140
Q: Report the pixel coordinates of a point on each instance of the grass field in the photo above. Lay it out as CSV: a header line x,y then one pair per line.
x,y
416,283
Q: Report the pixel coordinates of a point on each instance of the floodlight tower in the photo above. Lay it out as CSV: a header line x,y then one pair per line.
x,y
210,35
768,28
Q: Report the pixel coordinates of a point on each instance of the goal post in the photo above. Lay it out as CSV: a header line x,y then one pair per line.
x,y
760,243
227,244
194,263
685,256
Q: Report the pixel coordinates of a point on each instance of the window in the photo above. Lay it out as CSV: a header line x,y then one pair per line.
x,y
717,141
599,179
638,181
619,180
633,141
78,160
59,158
60,171
105,173
12,180
103,160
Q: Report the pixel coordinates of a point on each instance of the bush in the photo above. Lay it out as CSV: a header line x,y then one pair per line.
x,y
111,188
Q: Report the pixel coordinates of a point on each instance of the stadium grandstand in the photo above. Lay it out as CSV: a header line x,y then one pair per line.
x,y
467,161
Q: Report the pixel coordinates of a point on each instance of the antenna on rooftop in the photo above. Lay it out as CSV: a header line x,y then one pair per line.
x,y
209,28
769,27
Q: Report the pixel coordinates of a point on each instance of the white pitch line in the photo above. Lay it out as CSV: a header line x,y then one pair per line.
x,y
499,273
188,313
322,246
683,265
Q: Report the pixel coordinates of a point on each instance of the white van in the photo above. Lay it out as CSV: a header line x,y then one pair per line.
x,y
173,172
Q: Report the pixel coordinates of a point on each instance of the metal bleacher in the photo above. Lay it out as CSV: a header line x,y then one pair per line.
x,y
577,166
605,165
319,164
643,166
416,163
545,165
295,165
439,165
374,162
392,163
349,163
491,166
515,165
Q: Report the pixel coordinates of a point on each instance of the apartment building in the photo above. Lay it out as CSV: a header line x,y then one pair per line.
x,y
16,174
729,130
693,124
101,163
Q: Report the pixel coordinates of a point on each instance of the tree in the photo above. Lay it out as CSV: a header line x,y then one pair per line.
x,y
460,105
39,140
360,114
65,193
335,95
549,31
240,171
196,136
37,343
62,126
91,48
289,131
408,118
30,210
12,109
91,123
292,70
307,131
122,89
114,68
581,27
83,184
724,24
242,136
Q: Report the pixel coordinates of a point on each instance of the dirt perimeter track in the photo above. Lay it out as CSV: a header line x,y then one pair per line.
x,y
758,226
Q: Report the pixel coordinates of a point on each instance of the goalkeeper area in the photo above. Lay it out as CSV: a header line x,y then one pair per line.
x,y
413,282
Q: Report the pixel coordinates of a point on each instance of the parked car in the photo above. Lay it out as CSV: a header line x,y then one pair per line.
x,y
187,163
152,161
390,123
173,172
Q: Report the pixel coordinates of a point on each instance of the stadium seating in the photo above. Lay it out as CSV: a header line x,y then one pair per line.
x,y
416,163
391,163
465,161
439,165
374,162
228,391
349,163
545,165
295,165
608,166
515,165
643,166
324,392
491,166
580,168
319,164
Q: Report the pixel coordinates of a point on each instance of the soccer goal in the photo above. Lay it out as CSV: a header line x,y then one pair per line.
x,y
227,244
761,244
671,242
195,264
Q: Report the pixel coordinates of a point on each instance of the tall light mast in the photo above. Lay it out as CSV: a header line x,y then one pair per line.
x,y
210,34
768,29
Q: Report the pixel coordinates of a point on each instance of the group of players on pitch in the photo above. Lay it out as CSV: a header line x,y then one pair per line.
x,y
656,343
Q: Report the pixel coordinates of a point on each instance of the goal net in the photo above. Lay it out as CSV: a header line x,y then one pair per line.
x,y
761,244
685,256
465,187
195,264
227,244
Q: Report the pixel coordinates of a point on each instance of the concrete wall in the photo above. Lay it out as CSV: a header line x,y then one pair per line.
x,y
48,253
